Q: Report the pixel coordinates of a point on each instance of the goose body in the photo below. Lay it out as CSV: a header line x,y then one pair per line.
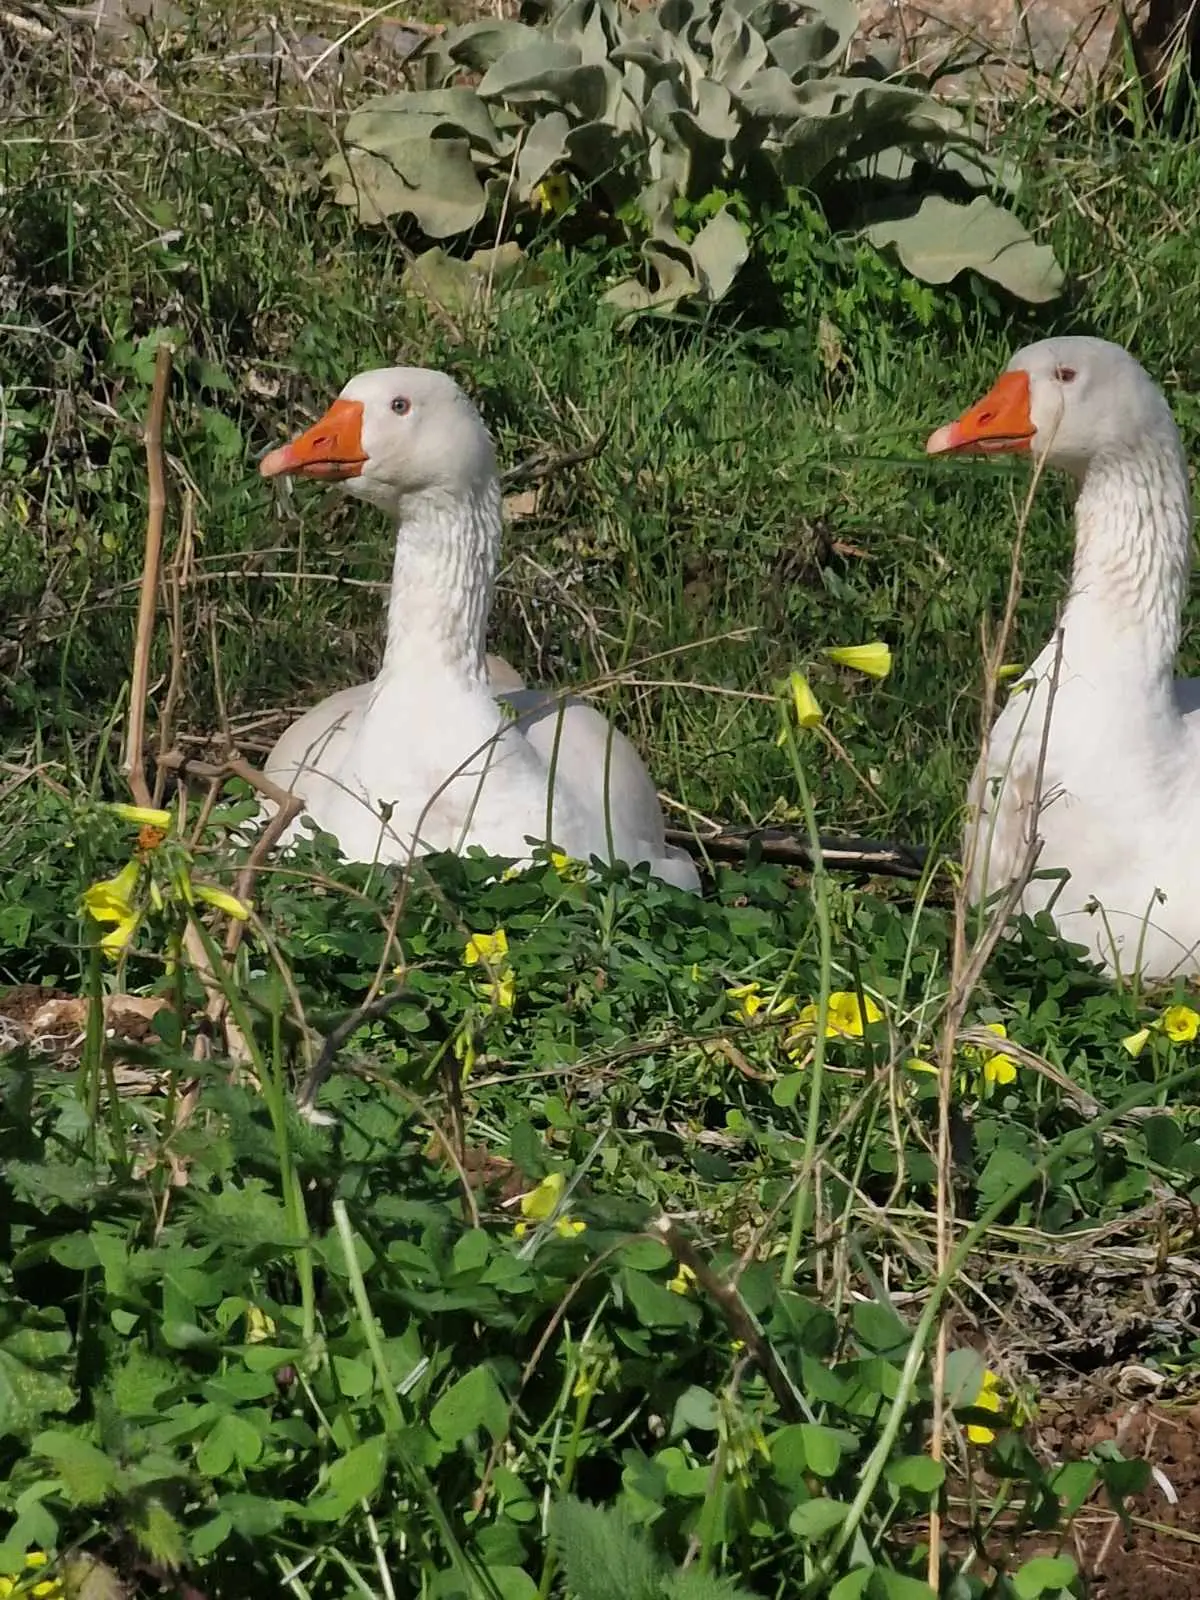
x,y
1117,736
446,748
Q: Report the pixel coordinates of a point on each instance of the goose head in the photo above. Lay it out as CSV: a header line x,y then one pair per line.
x,y
1069,402
393,435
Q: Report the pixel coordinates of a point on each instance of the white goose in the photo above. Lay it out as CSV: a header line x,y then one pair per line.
x,y
1119,803
457,761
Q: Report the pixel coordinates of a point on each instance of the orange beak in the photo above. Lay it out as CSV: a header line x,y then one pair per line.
x,y
1000,421
331,449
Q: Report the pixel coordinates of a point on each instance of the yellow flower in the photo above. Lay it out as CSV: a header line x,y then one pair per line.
x,y
259,1326
997,1068
804,701
144,816
486,947
682,1281
988,1399
585,1386
875,659
915,1064
1135,1043
222,899
553,194
539,1205
1010,669
49,1587
111,901
491,950
748,1000
568,867
502,993
845,1017
1180,1023
540,1202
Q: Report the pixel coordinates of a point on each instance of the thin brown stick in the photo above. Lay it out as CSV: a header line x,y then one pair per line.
x,y
733,1308
787,847
134,764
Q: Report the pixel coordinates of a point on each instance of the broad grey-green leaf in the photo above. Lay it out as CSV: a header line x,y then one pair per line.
x,y
805,48
479,45
606,158
381,124
433,180
719,252
457,285
553,71
940,239
542,151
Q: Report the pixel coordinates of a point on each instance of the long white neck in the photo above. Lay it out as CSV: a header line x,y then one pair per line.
x,y
1133,552
445,563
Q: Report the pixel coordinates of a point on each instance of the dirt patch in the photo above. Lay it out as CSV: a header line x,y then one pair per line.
x,y
1158,1556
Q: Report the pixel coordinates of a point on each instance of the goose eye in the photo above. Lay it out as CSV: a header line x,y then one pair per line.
x,y
401,406
1065,374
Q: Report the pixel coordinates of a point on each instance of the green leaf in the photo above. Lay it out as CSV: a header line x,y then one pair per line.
x,y
1044,1574
880,1329
898,1586
813,1519
234,1439
475,1401
824,1447
354,1477
602,1554
852,1585
86,1471
656,1305
940,239
1073,1482
921,1474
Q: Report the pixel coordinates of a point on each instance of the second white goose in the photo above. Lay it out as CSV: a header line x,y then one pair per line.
x,y
428,756
1118,805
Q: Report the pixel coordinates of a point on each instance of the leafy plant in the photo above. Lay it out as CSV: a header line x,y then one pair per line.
x,y
649,113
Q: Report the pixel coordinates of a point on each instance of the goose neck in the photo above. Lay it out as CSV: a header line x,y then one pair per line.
x,y
442,575
1133,552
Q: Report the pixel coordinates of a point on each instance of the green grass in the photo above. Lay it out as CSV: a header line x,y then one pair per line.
x,y
431,1385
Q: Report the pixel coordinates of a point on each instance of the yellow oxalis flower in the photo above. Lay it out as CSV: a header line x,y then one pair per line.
x,y
1135,1043
553,194
748,1000
875,659
111,902
1180,1024
804,702
989,1398
491,950
998,1068
539,1205
222,899
845,1018
143,816
683,1280
488,948
568,867
48,1589
259,1326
